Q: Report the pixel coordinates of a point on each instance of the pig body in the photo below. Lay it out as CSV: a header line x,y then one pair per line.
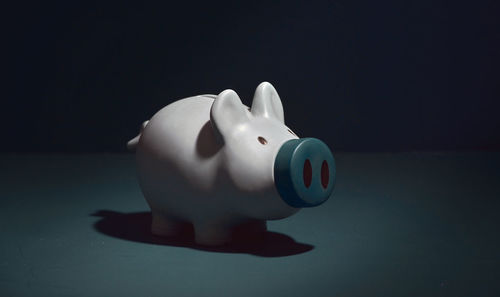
x,y
209,160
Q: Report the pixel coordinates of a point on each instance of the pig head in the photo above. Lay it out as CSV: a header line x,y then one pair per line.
x,y
262,154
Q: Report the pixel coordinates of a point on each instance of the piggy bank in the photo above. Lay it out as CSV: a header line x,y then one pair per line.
x,y
217,164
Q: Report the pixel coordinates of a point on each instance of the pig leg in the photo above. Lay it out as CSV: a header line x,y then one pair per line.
x,y
162,225
212,233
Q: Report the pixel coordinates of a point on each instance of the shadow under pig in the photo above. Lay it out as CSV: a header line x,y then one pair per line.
x,y
136,227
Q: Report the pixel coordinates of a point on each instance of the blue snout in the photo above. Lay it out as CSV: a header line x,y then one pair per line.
x,y
304,172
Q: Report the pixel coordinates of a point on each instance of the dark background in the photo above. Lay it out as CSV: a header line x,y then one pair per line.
x,y
382,76
361,75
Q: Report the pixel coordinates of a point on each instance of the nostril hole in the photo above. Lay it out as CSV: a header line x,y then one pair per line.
x,y
262,140
307,174
325,174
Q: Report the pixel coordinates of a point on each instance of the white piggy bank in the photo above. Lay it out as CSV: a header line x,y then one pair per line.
x,y
215,163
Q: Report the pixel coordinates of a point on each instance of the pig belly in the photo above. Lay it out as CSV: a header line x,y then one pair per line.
x,y
179,165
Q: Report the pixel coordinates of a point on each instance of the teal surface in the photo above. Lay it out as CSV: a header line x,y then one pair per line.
x,y
397,225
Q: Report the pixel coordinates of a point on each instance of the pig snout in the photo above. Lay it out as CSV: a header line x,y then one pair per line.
x,y
304,172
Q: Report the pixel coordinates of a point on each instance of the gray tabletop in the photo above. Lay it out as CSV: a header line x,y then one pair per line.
x,y
408,224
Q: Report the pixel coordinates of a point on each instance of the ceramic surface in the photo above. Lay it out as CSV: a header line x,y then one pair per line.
x,y
222,156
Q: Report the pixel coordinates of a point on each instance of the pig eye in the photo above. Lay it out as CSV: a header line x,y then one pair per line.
x,y
291,132
262,140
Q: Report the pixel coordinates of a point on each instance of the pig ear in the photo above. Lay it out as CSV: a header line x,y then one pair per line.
x,y
267,102
227,112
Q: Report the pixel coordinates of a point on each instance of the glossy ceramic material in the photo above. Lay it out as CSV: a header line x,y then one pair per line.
x,y
233,165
